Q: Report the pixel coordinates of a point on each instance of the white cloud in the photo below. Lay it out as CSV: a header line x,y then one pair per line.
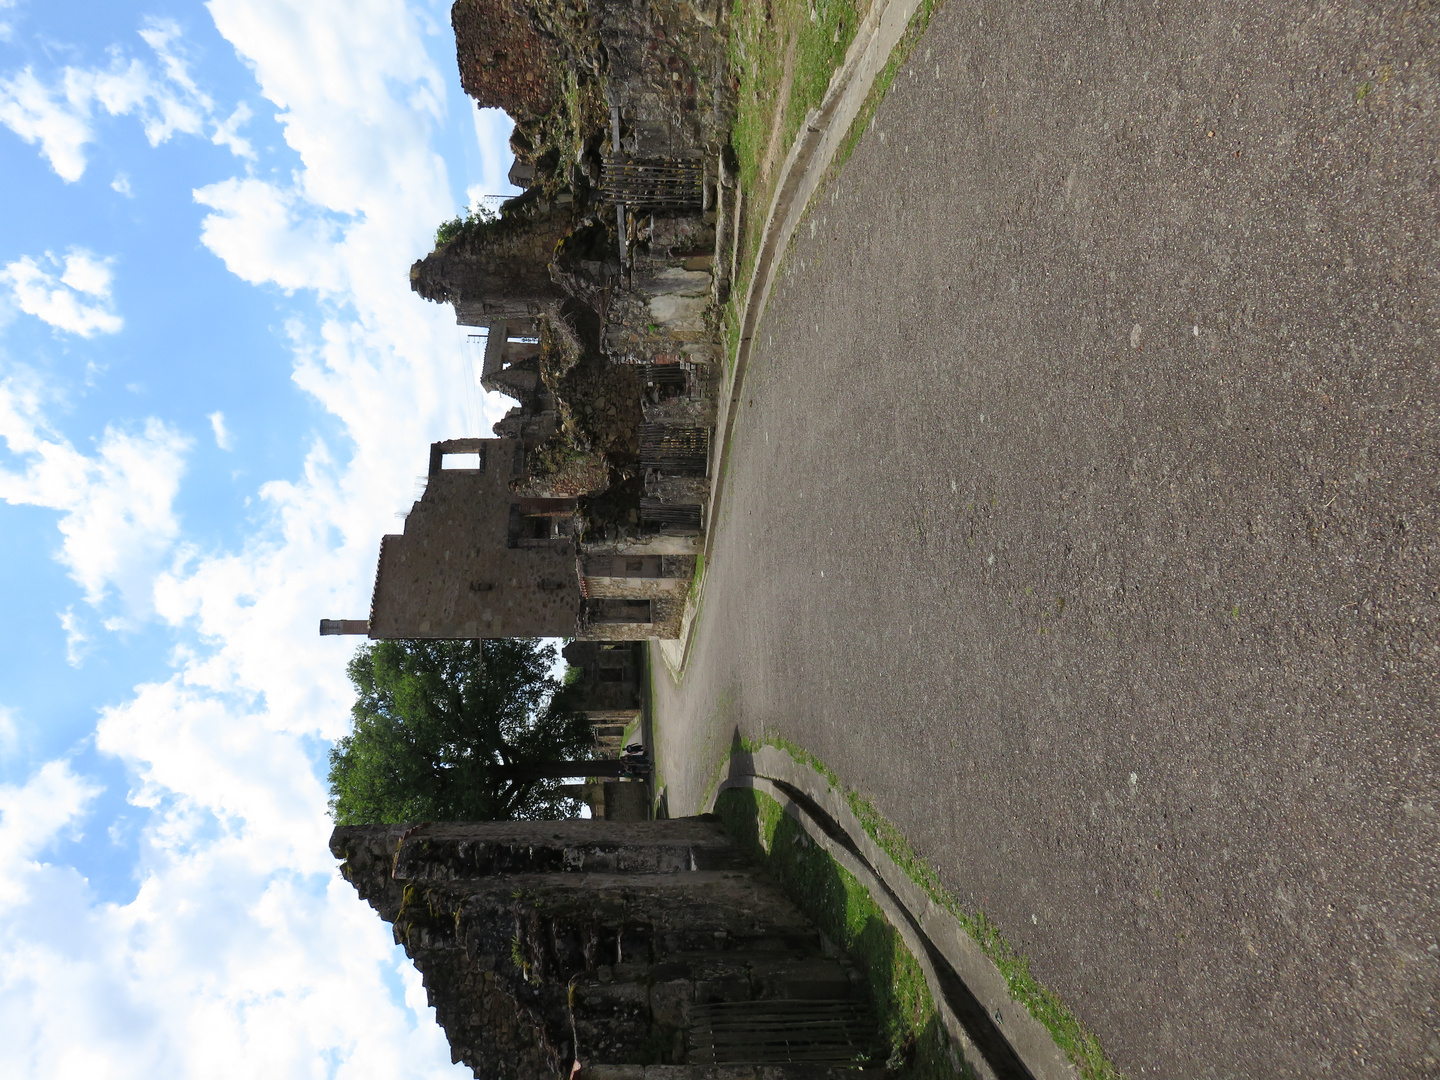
x,y
9,732
60,114
38,114
31,817
77,299
218,968
75,637
87,274
121,183
227,132
492,132
223,438
117,518
242,953
209,758
266,234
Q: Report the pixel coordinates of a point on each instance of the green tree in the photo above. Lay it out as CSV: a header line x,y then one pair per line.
x,y
441,729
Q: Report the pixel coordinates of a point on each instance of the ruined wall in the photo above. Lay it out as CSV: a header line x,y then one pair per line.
x,y
677,489
663,65
667,611
609,677
664,62
666,313
694,410
453,572
603,942
557,472
668,72
504,62
497,269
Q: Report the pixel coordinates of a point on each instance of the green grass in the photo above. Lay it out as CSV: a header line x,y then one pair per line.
x,y
814,37
1079,1044
915,1043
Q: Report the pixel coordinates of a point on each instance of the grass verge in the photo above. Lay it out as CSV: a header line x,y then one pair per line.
x,y
785,52
916,1043
1078,1043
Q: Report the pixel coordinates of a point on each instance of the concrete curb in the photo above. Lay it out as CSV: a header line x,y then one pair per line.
x,y
997,1033
805,165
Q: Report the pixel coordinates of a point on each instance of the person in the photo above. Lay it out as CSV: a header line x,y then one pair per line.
x,y
634,760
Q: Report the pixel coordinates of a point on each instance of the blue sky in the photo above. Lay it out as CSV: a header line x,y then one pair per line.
x,y
216,391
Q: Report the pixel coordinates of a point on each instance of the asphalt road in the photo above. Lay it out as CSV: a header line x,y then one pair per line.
x,y
1083,515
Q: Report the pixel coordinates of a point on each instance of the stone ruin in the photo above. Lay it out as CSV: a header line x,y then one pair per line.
x,y
610,948
598,290
497,47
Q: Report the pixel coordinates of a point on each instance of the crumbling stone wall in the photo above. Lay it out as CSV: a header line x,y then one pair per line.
x,y
504,62
546,943
502,264
609,676
555,256
667,69
665,314
663,62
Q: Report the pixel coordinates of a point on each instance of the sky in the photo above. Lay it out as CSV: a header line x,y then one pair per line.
x,y
216,393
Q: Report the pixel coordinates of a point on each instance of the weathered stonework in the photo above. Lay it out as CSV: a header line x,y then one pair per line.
x,y
665,312
616,398
497,270
663,617
663,63
481,558
472,562
602,944
609,676
504,62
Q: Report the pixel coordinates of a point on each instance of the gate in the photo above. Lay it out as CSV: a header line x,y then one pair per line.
x,y
651,183
782,1031
675,451
667,380
670,519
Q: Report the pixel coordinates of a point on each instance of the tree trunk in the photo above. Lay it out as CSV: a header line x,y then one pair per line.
x,y
543,770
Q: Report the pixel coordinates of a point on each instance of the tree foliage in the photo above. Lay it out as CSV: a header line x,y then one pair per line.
x,y
435,721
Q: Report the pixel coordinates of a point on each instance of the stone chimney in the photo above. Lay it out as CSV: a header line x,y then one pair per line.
x,y
344,626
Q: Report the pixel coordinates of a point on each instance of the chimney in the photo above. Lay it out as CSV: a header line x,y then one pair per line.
x,y
344,626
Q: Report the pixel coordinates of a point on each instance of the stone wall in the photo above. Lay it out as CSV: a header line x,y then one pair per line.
x,y
499,268
609,676
456,572
504,62
667,612
554,256
543,944
667,70
663,62
665,313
